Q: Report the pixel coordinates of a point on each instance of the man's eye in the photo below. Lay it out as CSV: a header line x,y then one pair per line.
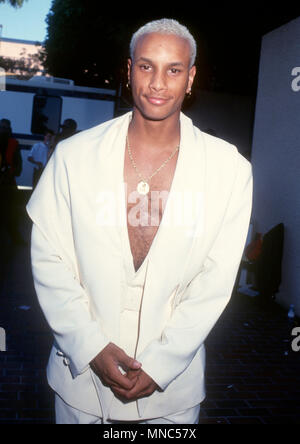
x,y
174,71
145,67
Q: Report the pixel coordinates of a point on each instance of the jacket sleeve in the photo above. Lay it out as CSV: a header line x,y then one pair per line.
x,y
61,296
207,294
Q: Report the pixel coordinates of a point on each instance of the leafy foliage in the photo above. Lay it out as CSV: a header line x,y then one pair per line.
x,y
14,3
89,44
88,41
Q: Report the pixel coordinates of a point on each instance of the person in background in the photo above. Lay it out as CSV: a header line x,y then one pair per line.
x,y
68,129
10,168
9,151
39,155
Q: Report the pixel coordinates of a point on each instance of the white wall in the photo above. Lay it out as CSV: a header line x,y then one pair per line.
x,y
276,151
21,49
16,49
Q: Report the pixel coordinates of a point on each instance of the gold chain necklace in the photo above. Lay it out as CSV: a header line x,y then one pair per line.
x,y
143,186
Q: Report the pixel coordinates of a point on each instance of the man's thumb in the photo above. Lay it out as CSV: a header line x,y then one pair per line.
x,y
131,363
135,364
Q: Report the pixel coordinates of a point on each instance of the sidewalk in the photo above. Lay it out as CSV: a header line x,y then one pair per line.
x,y
253,376
24,393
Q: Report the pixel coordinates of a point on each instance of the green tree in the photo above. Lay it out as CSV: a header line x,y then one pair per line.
x,y
88,43
84,44
14,3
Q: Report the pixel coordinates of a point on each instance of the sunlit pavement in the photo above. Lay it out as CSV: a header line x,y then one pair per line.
x,y
253,375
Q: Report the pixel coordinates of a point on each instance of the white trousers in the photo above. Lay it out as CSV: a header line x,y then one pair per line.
x,y
65,414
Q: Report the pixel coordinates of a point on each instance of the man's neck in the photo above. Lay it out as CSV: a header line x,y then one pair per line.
x,y
153,135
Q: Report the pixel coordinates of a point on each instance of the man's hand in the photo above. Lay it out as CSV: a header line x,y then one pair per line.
x,y
107,366
144,386
38,164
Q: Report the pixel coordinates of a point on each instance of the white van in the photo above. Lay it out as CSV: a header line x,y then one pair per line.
x,y
45,102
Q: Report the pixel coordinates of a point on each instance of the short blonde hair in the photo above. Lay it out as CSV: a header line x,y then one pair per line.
x,y
165,26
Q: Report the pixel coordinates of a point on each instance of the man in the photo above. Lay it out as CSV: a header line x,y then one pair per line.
x,y
68,129
39,155
136,243
10,168
9,151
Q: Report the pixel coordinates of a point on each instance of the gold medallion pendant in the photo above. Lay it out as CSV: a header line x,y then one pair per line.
x,y
143,188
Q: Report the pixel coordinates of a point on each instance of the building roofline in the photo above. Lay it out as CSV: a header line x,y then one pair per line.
x,y
28,42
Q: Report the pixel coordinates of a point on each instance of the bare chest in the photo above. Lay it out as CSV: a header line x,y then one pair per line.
x,y
144,212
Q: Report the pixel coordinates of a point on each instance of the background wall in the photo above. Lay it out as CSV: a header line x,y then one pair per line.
x,y
276,150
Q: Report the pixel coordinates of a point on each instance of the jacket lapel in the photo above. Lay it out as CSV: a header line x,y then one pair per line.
x,y
181,225
111,212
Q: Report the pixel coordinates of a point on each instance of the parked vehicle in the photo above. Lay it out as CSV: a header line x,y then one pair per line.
x,y
45,102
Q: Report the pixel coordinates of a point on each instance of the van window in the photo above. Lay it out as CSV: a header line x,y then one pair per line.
x,y
46,114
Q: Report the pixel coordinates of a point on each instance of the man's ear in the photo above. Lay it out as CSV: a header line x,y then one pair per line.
x,y
129,65
192,73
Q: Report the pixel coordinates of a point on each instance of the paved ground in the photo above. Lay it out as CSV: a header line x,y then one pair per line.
x,y
253,376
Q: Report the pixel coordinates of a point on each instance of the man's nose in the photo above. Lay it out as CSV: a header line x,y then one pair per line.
x,y
158,81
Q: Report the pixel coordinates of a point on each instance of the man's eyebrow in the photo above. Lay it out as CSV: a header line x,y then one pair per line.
x,y
144,59
176,64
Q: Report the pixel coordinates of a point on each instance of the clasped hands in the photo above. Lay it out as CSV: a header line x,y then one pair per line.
x,y
128,385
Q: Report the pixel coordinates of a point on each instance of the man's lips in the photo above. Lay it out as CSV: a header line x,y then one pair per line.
x,y
157,100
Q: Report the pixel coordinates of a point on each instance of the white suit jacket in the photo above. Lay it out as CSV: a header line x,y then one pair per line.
x,y
78,211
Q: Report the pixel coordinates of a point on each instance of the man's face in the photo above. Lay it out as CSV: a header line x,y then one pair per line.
x,y
160,75
4,127
47,138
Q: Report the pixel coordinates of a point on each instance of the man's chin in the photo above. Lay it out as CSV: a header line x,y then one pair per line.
x,y
158,115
